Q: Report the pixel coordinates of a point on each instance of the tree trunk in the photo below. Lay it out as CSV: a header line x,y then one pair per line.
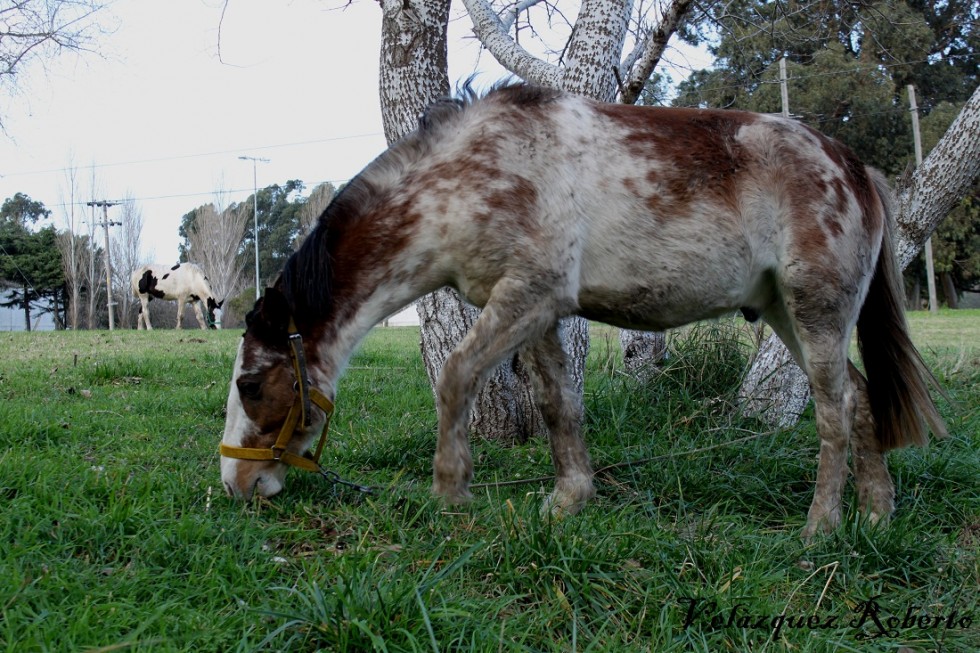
x,y
600,31
949,290
642,350
943,179
27,309
414,73
504,409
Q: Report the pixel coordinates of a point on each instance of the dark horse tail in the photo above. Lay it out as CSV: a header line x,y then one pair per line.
x,y
898,379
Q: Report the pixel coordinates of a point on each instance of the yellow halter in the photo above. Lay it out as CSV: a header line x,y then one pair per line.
x,y
299,414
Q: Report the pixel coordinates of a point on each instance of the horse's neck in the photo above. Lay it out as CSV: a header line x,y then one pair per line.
x,y
341,337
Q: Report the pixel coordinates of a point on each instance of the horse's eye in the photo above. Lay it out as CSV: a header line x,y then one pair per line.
x,y
249,389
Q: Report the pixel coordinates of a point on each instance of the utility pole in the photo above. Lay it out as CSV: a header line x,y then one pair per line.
x,y
255,212
930,267
105,204
783,88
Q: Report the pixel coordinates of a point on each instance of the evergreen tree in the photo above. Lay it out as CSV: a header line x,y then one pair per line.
x,y
848,66
30,262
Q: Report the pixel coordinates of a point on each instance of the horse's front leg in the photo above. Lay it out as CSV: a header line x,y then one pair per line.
x,y
561,408
511,317
200,316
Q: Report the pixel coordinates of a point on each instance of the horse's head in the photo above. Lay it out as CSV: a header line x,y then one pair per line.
x,y
214,313
273,412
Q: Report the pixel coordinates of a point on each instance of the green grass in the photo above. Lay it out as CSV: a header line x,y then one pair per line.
x,y
116,535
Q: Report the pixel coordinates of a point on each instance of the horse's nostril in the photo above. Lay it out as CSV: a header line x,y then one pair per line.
x,y
228,490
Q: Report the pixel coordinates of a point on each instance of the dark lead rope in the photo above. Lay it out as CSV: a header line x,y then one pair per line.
x,y
336,480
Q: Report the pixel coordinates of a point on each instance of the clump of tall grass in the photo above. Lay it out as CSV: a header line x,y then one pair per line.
x,y
699,374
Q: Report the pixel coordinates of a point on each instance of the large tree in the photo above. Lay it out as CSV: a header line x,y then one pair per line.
x,y
74,251
848,66
313,207
956,242
278,227
214,241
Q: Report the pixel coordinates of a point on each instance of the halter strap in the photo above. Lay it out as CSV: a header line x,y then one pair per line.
x,y
302,385
300,414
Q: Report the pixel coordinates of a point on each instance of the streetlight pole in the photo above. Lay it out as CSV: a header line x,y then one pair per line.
x,y
255,212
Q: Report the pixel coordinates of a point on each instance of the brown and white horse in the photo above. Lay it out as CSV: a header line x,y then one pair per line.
x,y
183,283
537,205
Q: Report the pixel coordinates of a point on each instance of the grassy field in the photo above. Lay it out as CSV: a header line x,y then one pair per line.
x,y
116,534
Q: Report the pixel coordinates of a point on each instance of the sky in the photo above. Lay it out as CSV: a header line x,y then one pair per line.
x,y
157,116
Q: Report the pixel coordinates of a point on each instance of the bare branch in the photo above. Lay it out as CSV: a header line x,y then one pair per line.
x,y
495,37
653,45
31,29
508,15
40,30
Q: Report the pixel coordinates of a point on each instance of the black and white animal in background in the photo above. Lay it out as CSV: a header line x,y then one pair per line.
x,y
183,283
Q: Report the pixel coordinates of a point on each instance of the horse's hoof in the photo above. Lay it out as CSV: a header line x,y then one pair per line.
x,y
823,526
562,502
452,497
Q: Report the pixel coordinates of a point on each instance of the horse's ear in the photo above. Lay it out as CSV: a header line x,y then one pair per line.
x,y
269,319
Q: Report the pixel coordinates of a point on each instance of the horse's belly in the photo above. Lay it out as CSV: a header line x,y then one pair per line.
x,y
649,308
651,296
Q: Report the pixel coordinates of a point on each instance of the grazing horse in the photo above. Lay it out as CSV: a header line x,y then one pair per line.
x,y
536,205
183,283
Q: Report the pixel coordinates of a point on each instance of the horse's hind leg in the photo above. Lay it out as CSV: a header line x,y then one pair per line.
x,y
875,489
820,348
560,406
826,367
514,314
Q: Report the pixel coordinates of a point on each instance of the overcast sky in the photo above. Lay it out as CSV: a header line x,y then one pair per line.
x,y
164,120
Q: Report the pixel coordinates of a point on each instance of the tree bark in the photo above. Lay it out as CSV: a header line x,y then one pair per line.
x,y
413,74
642,350
27,309
644,60
773,388
505,408
414,69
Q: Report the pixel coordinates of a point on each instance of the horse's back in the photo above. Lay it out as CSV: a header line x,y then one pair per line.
x,y
647,217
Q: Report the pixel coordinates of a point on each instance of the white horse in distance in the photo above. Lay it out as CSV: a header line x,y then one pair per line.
x,y
183,283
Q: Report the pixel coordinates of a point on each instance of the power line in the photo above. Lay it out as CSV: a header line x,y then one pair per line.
x,y
196,155
203,193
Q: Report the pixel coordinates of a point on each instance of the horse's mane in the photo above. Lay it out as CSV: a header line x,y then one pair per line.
x,y
305,280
